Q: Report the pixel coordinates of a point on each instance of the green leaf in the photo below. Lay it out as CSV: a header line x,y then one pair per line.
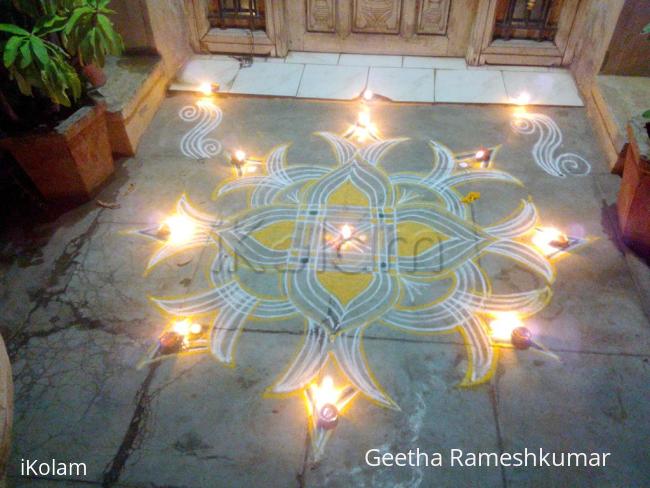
x,y
11,50
646,29
24,86
646,114
111,37
49,25
13,29
38,46
76,17
26,54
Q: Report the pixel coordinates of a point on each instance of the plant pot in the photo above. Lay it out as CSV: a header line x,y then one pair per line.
x,y
68,163
95,75
634,197
6,409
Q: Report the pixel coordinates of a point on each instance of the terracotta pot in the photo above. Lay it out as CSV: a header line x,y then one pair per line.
x,y
634,197
70,162
95,75
6,409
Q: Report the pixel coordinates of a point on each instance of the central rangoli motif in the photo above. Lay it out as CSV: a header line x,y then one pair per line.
x,y
355,245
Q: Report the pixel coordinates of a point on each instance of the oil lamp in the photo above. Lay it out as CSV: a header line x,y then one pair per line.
x,y
522,338
177,230
324,398
238,160
325,404
523,98
503,325
346,232
482,155
208,88
364,119
182,327
550,240
328,416
170,342
508,327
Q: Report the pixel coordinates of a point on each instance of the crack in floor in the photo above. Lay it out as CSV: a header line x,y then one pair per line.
x,y
133,433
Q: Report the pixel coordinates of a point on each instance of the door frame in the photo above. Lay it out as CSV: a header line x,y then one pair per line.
x,y
483,49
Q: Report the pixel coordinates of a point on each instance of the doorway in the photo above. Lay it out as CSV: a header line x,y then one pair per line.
x,y
405,27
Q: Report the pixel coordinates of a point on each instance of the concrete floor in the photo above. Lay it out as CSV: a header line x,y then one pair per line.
x,y
78,319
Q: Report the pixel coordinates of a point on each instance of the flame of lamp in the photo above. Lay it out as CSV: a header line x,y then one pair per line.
x,y
522,338
328,416
364,119
238,160
182,327
177,229
346,232
208,88
523,98
482,155
368,94
502,326
550,240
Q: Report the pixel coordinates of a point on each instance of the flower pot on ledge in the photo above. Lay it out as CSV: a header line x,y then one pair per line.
x,y
634,197
68,163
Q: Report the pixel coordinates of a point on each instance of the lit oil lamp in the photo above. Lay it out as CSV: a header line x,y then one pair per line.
x,y
238,160
363,128
177,230
364,119
367,95
508,327
326,402
170,342
208,88
503,325
550,240
522,338
522,99
483,155
178,337
346,232
186,328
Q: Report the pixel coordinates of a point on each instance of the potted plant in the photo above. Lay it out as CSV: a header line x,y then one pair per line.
x,y
634,197
51,127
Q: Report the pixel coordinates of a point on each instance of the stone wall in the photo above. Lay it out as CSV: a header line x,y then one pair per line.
x,y
156,26
132,22
169,23
594,27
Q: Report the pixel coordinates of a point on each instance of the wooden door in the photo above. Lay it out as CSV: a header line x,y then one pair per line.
x,y
416,27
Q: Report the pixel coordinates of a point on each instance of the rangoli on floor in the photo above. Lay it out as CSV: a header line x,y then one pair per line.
x,y
353,245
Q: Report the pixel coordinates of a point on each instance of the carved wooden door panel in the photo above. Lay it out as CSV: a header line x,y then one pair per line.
x,y
418,27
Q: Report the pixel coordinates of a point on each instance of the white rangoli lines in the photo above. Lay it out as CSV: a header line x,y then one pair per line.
x,y
549,141
300,195
196,143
